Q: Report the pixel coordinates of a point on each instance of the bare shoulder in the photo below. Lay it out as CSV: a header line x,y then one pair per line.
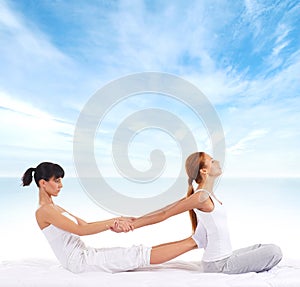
x,y
204,202
42,212
45,208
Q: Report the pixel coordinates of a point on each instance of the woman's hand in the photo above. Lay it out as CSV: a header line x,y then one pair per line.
x,y
122,224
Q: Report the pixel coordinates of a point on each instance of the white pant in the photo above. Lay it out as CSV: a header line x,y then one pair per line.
x,y
255,258
116,259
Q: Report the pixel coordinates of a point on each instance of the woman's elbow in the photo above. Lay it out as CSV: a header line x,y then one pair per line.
x,y
207,207
79,231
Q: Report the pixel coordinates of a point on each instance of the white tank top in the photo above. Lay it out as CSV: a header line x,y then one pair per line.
x,y
214,231
64,244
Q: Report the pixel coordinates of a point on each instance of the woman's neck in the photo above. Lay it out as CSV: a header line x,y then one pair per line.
x,y
44,197
208,184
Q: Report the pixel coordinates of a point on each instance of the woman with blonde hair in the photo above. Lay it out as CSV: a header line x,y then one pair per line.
x,y
211,232
209,223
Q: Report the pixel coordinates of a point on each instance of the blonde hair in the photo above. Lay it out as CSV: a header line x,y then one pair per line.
x,y
193,164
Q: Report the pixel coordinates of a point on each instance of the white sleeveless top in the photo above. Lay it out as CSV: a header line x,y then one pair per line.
x,y
214,231
64,244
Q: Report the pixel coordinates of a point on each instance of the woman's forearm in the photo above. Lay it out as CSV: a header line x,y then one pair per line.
x,y
95,227
119,224
156,216
149,219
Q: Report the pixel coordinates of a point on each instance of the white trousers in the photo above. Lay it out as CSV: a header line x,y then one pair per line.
x,y
116,259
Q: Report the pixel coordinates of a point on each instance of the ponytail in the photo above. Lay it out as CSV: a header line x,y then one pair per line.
x,y
193,165
27,177
192,213
44,170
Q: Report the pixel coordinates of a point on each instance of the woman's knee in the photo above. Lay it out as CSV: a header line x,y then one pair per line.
x,y
277,252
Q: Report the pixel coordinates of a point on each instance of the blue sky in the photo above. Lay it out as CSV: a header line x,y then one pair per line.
x,y
243,55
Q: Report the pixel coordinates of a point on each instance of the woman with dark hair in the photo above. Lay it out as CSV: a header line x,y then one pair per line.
x,y
63,231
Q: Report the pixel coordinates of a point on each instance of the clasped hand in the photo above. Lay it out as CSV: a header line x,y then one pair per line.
x,y
122,224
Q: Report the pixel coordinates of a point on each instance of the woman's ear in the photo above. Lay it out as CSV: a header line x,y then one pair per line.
x,y
42,182
203,171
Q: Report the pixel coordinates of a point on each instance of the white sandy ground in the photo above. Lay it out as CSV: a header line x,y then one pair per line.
x,y
38,272
27,260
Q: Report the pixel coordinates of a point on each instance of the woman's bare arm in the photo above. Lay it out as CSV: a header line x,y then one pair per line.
x,y
51,215
80,221
197,200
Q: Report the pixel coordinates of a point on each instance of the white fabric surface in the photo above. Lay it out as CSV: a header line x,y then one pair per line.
x,y
38,272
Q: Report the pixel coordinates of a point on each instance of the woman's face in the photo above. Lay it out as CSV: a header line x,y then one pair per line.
x,y
213,166
53,186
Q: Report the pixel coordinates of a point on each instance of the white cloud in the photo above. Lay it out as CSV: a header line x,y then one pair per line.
x,y
277,49
181,38
244,144
282,32
28,40
33,68
30,134
25,108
